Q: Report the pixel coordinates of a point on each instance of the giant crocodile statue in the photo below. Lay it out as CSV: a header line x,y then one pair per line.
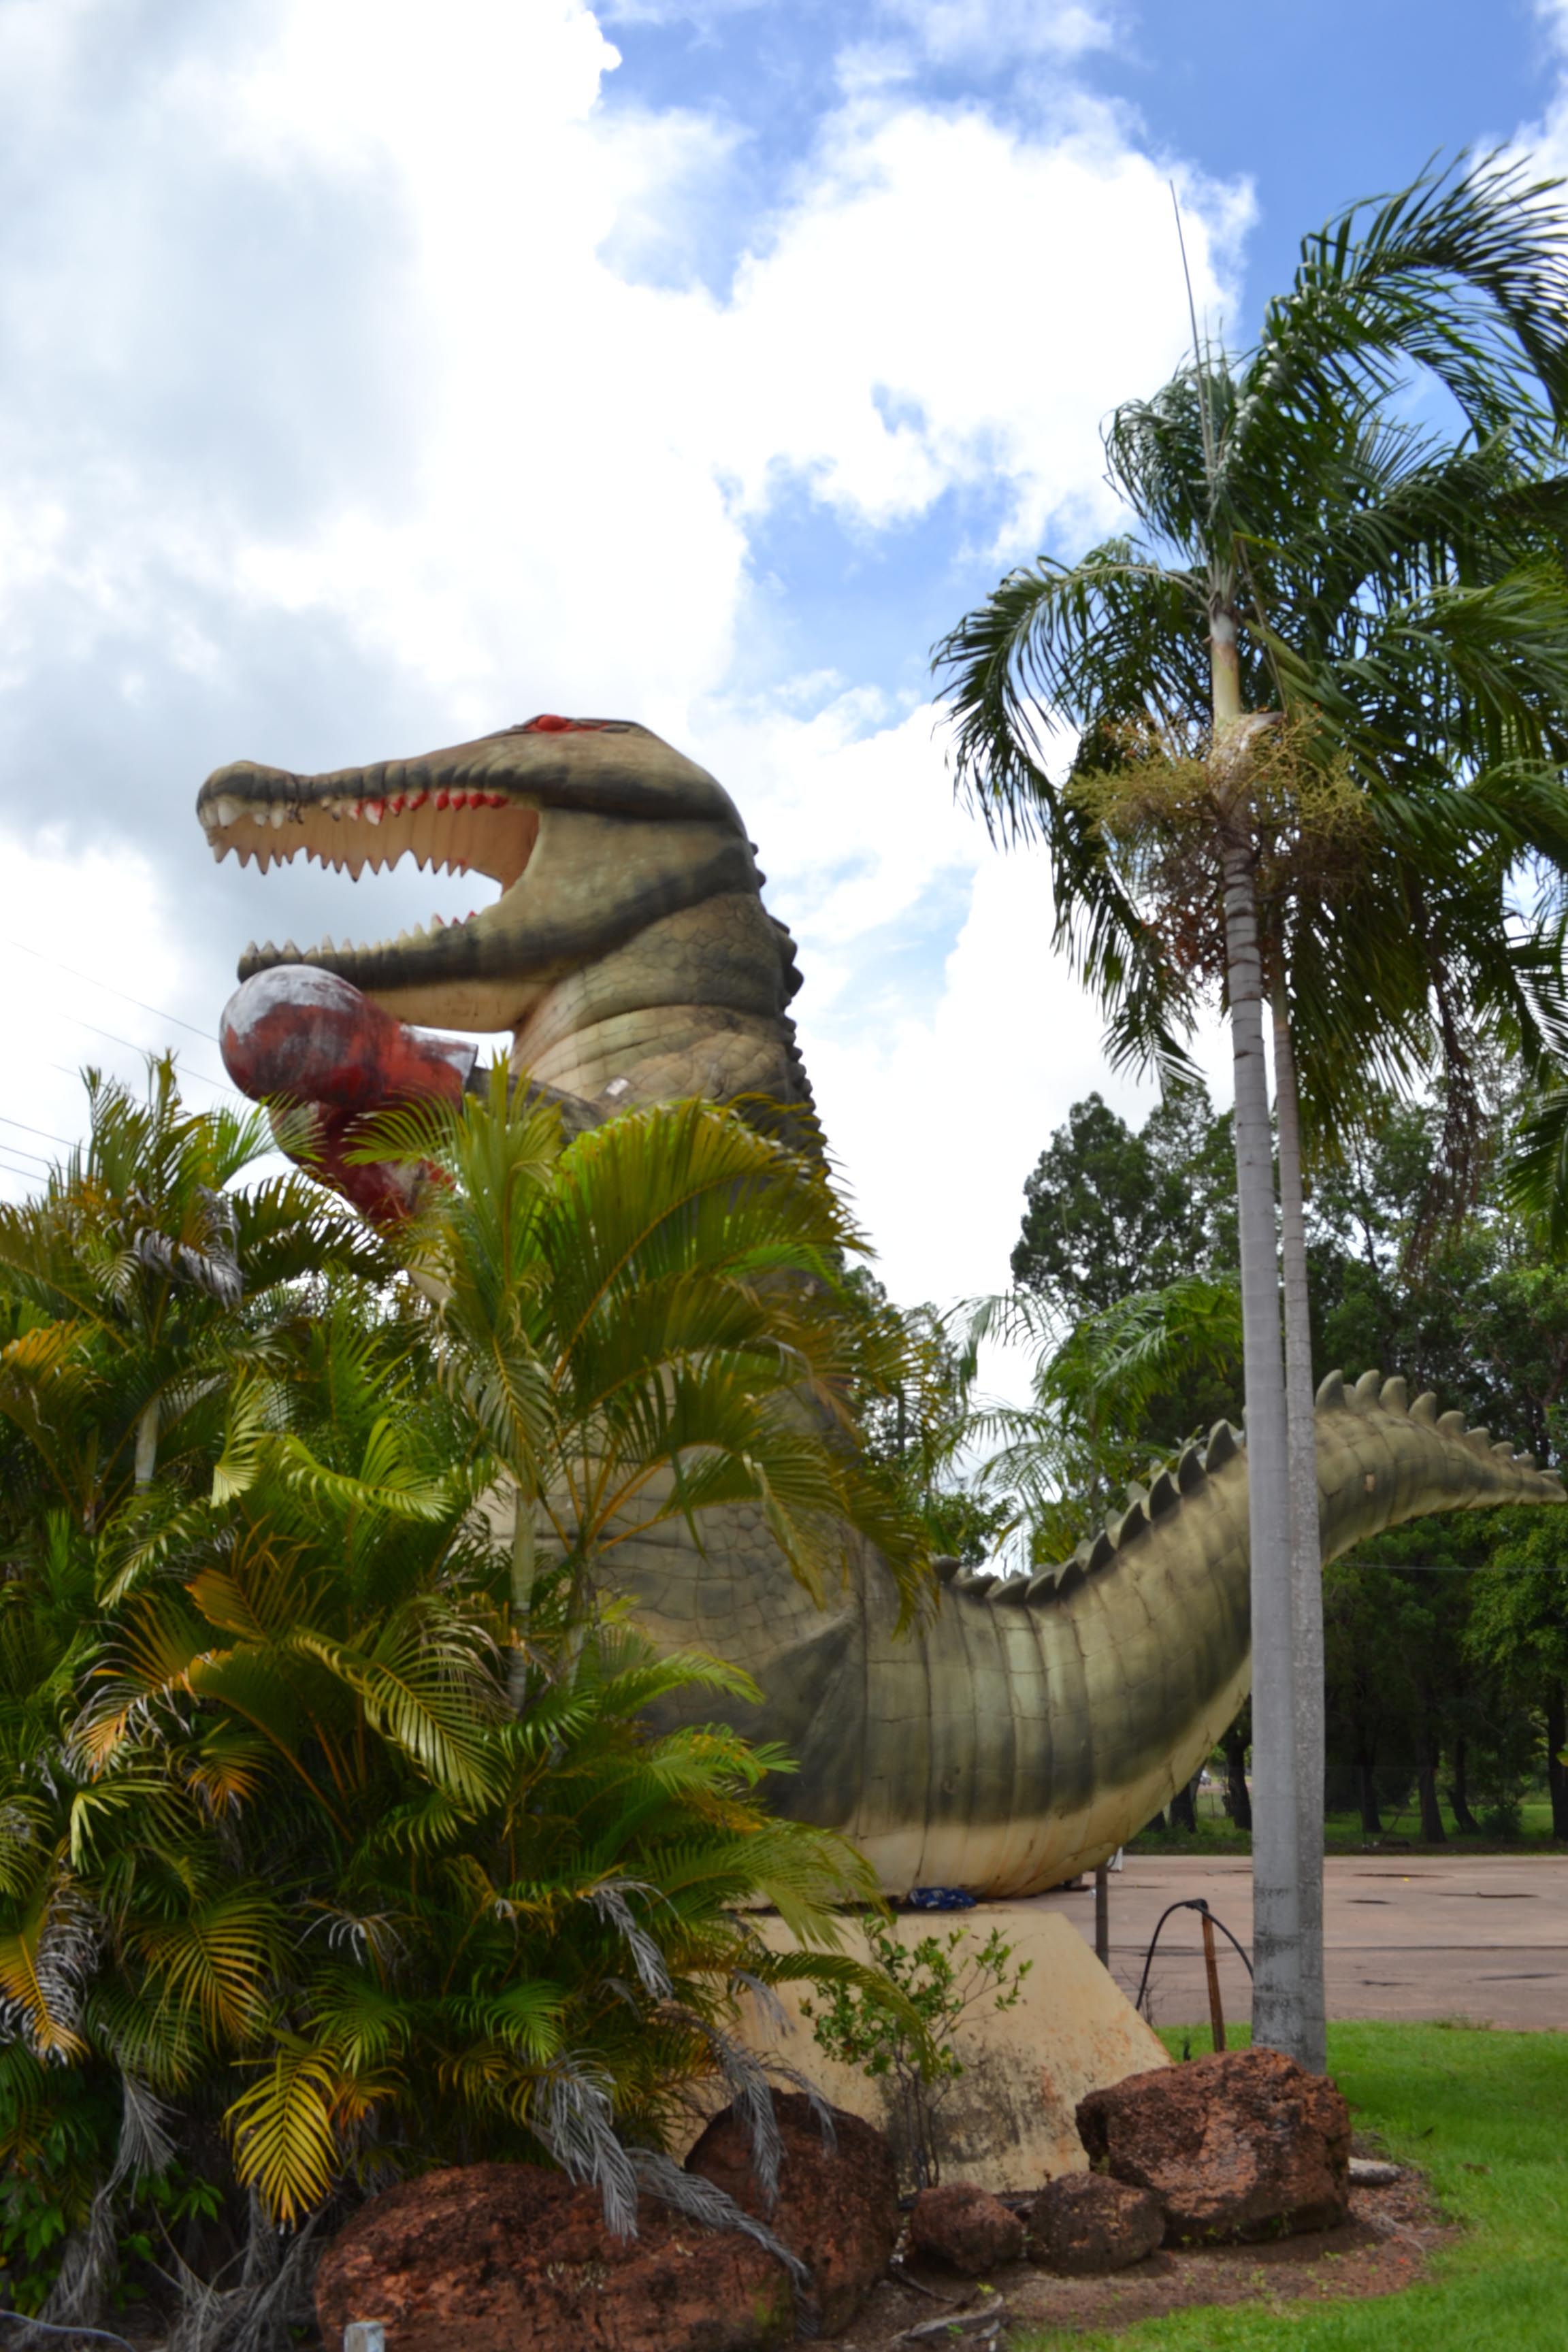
x,y
1036,1721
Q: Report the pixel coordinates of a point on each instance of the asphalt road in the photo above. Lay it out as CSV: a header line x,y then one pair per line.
x,y
1404,1936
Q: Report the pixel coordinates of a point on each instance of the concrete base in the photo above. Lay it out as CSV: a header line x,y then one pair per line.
x,y
1009,2120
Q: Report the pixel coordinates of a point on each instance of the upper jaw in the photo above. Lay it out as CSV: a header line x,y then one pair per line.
x,y
475,807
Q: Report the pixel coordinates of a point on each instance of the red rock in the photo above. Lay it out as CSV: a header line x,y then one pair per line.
x,y
837,2207
510,2258
1085,2225
966,2228
1242,2145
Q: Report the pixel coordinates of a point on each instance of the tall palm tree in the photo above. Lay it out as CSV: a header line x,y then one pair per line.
x,y
1321,708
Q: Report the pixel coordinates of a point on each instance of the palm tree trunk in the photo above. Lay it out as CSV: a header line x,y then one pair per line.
x,y
146,1443
524,1571
1557,1771
1237,1795
1306,1546
1279,2017
1432,1830
1459,1788
1366,1791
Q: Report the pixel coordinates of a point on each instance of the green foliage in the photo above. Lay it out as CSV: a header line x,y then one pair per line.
x,y
1400,612
58,2132
330,1849
138,1282
910,1397
943,1978
1111,1210
1127,1303
1446,1639
649,1322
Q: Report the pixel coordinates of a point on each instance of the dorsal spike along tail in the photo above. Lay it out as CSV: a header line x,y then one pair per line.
x,y
1222,1445
1189,1470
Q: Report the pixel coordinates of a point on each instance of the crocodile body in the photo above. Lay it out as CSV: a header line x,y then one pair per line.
x,y
1036,1722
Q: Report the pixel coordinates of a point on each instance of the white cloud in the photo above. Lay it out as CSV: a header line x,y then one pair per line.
x,y
103,987
993,30
370,397
929,310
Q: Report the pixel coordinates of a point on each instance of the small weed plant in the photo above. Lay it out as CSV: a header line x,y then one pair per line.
x,y
944,1979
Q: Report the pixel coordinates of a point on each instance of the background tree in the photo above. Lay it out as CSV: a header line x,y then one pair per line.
x,y
1113,1398
1518,1628
1111,1210
1417,1690
911,1405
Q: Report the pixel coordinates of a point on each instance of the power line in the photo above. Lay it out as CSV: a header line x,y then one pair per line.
x,y
93,982
132,1046
157,1012
47,1133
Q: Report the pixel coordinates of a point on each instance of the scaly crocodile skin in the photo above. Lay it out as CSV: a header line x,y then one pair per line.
x,y
1037,1722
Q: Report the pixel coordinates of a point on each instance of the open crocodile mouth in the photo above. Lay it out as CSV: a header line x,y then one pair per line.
x,y
452,813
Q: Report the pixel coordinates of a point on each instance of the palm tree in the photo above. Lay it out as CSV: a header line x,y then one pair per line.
x,y
323,1832
139,1279
1322,709
299,1874
648,1323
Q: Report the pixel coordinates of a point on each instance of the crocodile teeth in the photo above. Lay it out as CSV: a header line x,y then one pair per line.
x,y
226,812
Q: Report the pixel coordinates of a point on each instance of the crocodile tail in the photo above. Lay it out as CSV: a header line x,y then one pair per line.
x,y
1043,1719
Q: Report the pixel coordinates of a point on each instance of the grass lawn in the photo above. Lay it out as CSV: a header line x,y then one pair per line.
x,y
1343,1833
1485,2115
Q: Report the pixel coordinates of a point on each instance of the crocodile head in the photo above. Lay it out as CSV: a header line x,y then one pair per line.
x,y
593,828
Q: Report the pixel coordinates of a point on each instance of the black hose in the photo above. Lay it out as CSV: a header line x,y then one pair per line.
x,y
1189,1902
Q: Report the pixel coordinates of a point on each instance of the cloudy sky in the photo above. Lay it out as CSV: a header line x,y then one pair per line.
x,y
375,374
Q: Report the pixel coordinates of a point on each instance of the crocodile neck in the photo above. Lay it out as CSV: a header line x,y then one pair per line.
x,y
693,1004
